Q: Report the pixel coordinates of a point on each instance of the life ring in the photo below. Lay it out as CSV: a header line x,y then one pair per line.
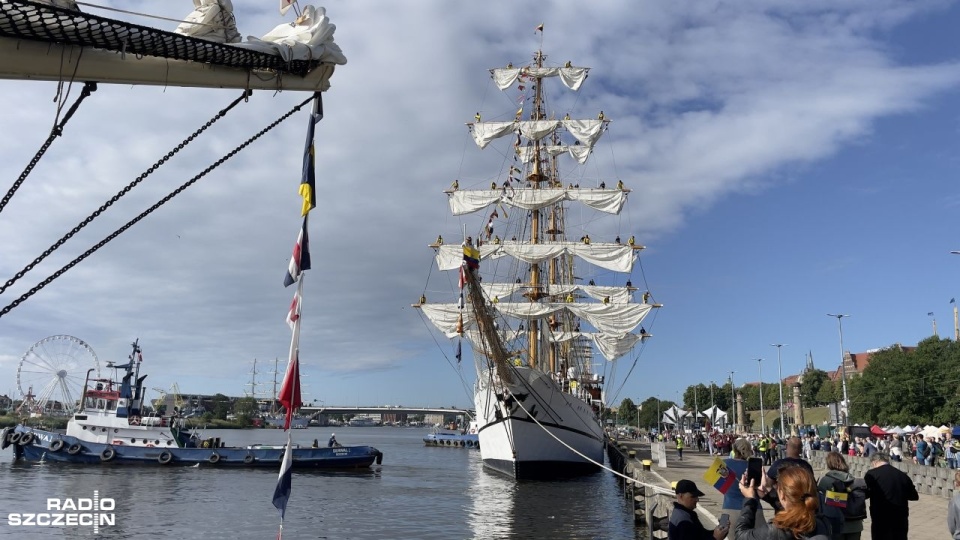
x,y
74,449
165,457
108,454
26,438
57,445
134,420
214,457
248,459
15,437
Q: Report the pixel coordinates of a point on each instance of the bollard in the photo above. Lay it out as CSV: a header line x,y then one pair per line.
x,y
632,454
646,464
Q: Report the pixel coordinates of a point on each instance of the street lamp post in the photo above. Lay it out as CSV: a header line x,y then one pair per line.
x,y
712,402
733,404
843,368
763,425
780,383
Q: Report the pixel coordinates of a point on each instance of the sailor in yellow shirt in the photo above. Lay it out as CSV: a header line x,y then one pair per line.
x,y
762,448
680,446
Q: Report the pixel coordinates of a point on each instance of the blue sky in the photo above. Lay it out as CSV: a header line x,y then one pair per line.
x,y
788,162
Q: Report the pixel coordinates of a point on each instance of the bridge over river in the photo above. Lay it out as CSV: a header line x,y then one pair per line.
x,y
328,410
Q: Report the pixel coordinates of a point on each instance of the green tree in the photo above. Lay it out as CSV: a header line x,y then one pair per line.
x,y
246,408
221,406
828,393
627,413
813,381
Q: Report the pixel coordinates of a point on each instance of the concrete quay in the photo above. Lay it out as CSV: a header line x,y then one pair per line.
x,y
928,516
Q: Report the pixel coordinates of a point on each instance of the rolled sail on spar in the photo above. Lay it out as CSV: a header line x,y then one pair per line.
x,y
550,301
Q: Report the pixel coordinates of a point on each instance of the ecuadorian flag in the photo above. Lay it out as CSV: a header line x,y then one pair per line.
x,y
720,476
837,499
472,256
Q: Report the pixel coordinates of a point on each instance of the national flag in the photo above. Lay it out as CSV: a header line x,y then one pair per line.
x,y
289,395
285,482
471,256
953,300
308,178
294,314
285,6
540,28
836,499
300,260
719,476
463,276
930,314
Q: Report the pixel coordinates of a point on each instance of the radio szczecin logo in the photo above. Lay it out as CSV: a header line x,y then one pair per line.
x,y
81,512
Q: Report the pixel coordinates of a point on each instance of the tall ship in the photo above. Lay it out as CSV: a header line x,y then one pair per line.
x,y
540,299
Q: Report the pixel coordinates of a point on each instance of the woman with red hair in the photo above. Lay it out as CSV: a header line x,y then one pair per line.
x,y
798,519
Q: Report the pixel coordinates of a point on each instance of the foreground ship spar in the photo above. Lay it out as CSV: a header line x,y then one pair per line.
x,y
535,323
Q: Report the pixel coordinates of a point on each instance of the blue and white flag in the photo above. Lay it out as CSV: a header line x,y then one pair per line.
x,y
285,483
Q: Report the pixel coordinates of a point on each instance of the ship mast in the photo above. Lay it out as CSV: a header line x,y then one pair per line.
x,y
535,178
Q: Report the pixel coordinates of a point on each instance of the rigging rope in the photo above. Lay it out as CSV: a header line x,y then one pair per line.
x,y
150,210
124,191
55,132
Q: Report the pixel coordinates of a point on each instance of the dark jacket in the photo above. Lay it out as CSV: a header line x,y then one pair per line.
x,y
890,490
747,522
685,525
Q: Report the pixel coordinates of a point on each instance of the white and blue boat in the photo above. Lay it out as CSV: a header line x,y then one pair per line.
x,y
111,426
454,438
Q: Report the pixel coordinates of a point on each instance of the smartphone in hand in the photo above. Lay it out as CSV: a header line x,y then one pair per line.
x,y
724,521
754,471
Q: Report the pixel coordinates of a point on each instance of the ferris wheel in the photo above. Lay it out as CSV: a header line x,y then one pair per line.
x,y
51,374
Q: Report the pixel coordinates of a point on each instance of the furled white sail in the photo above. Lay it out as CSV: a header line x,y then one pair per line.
x,y
616,295
615,257
578,152
572,77
610,201
616,319
610,346
585,131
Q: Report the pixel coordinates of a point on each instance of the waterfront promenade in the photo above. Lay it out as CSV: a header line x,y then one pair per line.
x,y
928,516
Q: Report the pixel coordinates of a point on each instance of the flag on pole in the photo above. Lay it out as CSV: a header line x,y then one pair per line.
x,y
540,27
308,178
300,260
471,256
459,352
294,314
953,300
281,494
930,314
285,6
289,395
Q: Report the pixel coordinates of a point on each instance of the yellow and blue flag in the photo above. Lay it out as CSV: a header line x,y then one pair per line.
x,y
308,177
720,476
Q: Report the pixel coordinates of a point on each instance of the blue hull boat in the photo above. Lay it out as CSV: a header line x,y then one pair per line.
x,y
112,426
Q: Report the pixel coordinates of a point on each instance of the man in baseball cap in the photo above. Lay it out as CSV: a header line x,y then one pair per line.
x,y
684,522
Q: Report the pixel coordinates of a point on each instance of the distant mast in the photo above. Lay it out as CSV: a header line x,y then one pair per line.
x,y
535,178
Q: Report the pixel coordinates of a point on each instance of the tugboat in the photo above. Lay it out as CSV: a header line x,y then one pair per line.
x,y
111,426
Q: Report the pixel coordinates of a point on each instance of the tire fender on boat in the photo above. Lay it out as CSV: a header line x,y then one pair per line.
x,y
15,437
108,454
249,459
165,457
214,457
26,438
74,449
5,438
57,445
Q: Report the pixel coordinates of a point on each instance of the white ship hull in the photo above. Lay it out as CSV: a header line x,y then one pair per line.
x,y
514,444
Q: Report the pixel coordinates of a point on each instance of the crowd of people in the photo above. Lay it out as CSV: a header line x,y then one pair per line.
x,y
832,507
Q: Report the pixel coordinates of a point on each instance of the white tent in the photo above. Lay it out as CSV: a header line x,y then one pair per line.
x,y
674,415
930,431
714,414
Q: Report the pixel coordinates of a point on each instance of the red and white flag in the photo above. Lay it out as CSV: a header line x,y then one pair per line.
x,y
294,314
285,5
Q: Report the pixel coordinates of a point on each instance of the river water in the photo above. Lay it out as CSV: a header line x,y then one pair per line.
x,y
418,492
